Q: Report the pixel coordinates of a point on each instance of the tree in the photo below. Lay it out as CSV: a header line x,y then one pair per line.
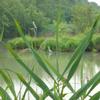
x,y
82,16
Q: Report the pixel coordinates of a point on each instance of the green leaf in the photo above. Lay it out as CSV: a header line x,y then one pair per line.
x,y
26,90
76,57
34,53
96,96
9,82
59,76
56,92
83,89
42,62
4,94
39,82
28,86
93,86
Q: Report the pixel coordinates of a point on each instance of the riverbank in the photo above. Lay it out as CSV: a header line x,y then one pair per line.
x,y
65,43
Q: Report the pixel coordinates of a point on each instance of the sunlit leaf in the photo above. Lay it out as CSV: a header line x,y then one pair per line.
x,y
38,81
34,53
4,94
96,96
76,57
83,89
28,86
9,82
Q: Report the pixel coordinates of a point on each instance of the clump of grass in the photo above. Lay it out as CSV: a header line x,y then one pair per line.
x,y
49,43
65,43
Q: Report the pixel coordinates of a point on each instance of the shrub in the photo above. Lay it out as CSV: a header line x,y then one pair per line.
x,y
71,44
80,37
64,44
49,43
96,42
19,43
37,42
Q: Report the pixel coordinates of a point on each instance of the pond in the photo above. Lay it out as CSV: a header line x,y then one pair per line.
x,y
89,66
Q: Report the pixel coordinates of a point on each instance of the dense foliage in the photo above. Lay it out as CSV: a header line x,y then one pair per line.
x,y
75,16
65,43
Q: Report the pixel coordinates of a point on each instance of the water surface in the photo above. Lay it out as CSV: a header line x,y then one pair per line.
x,y
88,67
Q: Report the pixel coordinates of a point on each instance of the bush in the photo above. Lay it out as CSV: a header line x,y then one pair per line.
x,y
80,37
64,44
96,42
37,42
49,43
19,43
71,44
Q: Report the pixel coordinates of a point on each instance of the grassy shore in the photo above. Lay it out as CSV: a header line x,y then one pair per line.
x,y
65,43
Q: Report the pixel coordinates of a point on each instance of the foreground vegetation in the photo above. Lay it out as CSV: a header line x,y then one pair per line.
x,y
60,81
66,43
62,20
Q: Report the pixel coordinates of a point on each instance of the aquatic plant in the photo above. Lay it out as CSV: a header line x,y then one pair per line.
x,y
61,81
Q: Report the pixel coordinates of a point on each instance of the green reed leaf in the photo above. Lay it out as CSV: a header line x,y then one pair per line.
x,y
34,53
42,62
28,86
76,57
9,83
4,94
96,96
38,81
93,86
83,89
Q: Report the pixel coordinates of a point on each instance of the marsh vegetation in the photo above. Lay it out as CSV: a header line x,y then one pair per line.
x,y
43,51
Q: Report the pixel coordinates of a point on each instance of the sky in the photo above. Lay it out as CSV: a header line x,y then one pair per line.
x,y
96,1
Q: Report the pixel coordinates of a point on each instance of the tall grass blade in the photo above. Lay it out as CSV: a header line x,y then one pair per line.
x,y
9,83
26,90
43,63
96,96
56,92
83,90
58,75
28,86
76,57
39,82
34,53
93,86
4,94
